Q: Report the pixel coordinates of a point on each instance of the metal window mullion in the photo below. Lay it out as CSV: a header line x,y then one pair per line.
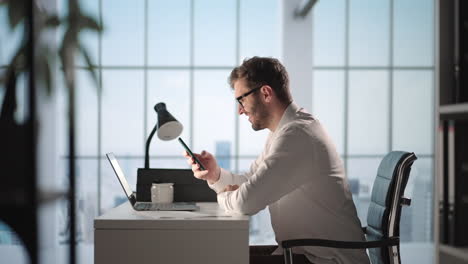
x,y
191,70
374,68
354,156
236,119
145,73
433,234
435,124
312,73
390,77
346,86
152,67
99,125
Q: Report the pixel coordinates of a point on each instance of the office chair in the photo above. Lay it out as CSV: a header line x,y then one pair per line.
x,y
383,217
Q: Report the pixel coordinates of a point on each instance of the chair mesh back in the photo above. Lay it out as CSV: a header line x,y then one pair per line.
x,y
383,194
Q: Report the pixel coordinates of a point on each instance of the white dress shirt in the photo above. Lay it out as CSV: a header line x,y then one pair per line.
x,y
300,177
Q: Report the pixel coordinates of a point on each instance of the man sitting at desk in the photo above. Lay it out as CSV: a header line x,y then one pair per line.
x,y
299,175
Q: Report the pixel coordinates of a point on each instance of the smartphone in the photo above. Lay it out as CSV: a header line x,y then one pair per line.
x,y
191,154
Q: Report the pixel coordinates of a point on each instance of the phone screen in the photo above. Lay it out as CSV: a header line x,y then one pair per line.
x,y
191,154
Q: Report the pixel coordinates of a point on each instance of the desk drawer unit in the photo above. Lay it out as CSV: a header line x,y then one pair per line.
x,y
125,236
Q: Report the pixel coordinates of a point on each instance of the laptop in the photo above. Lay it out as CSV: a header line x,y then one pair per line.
x,y
146,206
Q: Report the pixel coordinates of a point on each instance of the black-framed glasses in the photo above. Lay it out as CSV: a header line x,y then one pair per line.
x,y
239,98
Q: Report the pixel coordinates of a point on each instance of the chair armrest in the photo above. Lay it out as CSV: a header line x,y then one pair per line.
x,y
391,241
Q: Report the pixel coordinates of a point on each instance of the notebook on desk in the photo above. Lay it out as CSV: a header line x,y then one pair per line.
x,y
145,206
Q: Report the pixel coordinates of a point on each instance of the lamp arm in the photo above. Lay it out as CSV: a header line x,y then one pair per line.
x,y
148,141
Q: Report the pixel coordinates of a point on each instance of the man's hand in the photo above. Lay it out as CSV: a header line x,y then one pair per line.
x,y
211,174
230,188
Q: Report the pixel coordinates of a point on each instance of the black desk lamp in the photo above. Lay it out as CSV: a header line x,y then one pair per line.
x,y
189,188
167,126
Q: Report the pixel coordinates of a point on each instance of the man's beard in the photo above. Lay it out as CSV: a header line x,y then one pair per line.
x,y
259,116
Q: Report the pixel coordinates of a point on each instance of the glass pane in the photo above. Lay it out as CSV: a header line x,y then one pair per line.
x,y
417,220
329,33
112,194
86,207
215,32
54,216
260,230
122,113
214,110
170,161
413,111
369,33
259,28
329,87
54,228
8,48
414,33
12,249
417,252
244,163
361,175
172,88
53,231
169,32
122,39
22,99
62,115
368,112
224,153
86,114
250,142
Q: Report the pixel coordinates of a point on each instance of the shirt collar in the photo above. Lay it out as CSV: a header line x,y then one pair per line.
x,y
288,115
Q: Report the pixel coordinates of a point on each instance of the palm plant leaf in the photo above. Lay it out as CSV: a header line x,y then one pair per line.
x,y
89,63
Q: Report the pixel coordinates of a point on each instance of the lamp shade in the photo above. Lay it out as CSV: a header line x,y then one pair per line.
x,y
168,127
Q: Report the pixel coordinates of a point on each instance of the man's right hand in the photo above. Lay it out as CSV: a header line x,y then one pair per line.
x,y
212,172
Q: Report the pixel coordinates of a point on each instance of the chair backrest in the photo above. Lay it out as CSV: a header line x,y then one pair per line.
x,y
383,217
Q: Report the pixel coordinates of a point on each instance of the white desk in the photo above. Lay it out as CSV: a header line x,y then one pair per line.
x,y
123,235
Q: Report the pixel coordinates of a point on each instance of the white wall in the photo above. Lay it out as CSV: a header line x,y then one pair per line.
x,y
296,51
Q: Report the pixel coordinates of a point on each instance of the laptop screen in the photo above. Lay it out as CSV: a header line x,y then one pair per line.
x,y
118,171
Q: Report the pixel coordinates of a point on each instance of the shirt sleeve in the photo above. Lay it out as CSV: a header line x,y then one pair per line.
x,y
285,168
229,178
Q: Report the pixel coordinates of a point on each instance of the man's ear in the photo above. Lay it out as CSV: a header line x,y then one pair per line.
x,y
267,93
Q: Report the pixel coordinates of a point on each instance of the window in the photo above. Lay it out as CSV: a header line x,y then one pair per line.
x,y
172,52
375,61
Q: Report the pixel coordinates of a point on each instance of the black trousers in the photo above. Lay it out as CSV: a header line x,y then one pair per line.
x,y
262,255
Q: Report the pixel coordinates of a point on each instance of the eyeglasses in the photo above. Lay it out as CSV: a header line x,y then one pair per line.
x,y
246,94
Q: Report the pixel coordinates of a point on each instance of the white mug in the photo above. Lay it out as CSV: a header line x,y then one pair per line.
x,y
162,192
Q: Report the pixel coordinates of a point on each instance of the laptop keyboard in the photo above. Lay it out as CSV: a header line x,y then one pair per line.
x,y
163,206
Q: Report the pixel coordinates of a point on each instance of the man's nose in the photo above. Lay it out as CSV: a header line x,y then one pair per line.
x,y
240,109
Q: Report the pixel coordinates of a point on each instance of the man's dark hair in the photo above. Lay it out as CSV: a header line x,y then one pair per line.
x,y
259,71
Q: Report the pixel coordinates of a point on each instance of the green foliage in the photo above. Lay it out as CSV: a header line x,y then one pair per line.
x,y
74,23
16,11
